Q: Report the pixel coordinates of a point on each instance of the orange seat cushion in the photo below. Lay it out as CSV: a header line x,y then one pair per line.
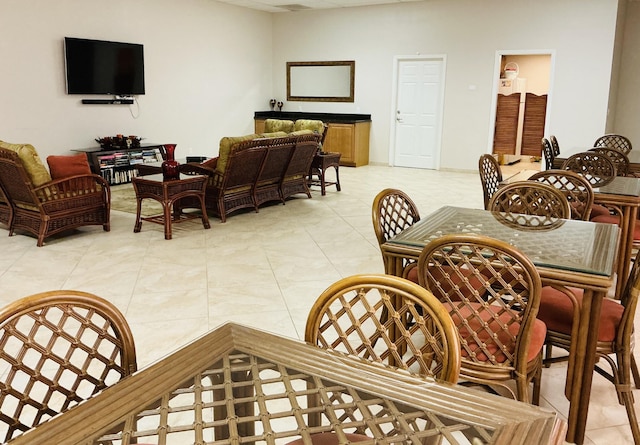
x,y
330,439
474,325
598,210
556,310
65,166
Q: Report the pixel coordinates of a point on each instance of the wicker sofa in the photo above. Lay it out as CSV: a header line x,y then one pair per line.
x,y
255,169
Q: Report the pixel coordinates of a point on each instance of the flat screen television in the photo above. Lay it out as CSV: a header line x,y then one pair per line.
x,y
103,67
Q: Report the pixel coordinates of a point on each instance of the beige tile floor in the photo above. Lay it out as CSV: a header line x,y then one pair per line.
x,y
263,270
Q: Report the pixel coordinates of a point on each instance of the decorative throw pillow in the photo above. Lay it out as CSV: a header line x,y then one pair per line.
x,y
65,166
30,161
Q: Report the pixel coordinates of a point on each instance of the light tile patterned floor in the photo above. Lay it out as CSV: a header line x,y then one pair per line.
x,y
263,270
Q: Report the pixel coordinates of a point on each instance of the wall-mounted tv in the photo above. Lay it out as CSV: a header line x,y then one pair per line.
x,y
102,67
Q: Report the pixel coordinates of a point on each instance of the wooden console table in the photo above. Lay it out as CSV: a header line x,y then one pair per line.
x,y
347,134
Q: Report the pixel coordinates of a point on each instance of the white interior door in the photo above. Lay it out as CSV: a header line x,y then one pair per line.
x,y
418,113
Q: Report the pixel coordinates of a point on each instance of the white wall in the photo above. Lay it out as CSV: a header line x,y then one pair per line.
x,y
581,32
209,66
207,69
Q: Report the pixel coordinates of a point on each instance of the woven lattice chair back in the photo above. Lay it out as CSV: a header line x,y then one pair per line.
x,y
597,168
547,152
490,176
620,160
555,147
418,334
616,141
492,292
58,349
392,212
531,198
575,188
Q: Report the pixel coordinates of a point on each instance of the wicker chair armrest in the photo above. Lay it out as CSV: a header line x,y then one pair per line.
x,y
73,185
196,169
210,163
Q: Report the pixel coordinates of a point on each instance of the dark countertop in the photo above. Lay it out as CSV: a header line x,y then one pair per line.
x,y
325,117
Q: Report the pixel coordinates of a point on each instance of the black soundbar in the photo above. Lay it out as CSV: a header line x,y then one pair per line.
x,y
107,101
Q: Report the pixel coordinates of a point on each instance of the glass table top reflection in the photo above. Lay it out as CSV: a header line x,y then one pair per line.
x,y
578,246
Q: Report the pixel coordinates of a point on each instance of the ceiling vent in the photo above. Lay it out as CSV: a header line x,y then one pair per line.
x,y
293,7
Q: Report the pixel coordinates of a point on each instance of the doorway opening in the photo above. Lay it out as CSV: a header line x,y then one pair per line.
x,y
520,104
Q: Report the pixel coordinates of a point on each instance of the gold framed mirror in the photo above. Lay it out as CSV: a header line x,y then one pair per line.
x,y
331,81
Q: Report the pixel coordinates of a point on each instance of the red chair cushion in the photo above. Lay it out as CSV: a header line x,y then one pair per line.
x,y
330,439
537,338
64,166
614,219
556,310
598,210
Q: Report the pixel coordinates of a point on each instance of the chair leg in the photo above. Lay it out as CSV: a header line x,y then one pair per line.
x,y
548,348
537,383
634,371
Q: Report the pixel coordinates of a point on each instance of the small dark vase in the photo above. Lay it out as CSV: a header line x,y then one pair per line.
x,y
170,167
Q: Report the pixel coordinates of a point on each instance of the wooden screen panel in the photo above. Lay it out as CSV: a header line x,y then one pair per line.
x,y
506,128
535,110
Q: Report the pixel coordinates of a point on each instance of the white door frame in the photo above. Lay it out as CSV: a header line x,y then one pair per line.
x,y
496,78
394,103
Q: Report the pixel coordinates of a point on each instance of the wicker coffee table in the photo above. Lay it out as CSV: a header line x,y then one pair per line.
x,y
168,193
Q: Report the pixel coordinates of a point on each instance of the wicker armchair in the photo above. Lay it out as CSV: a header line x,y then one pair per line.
x,y
490,176
617,141
599,169
393,211
61,348
531,198
547,152
56,205
495,313
575,188
348,318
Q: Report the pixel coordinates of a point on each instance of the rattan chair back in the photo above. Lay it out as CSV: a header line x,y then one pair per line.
x,y
620,160
60,348
492,292
547,152
392,212
597,168
417,336
555,147
490,176
575,188
531,198
616,141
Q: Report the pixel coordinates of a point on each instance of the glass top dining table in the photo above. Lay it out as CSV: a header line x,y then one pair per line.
x,y
239,385
565,252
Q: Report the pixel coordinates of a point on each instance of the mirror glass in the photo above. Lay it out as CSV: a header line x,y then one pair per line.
x,y
321,81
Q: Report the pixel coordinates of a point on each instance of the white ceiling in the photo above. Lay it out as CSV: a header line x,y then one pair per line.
x,y
301,5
